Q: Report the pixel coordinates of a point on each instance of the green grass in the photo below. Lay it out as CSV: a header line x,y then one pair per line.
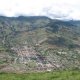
x,y
61,75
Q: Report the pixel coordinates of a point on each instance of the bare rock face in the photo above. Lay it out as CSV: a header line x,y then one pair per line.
x,y
27,55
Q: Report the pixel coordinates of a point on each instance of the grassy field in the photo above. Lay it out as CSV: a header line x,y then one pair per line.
x,y
61,75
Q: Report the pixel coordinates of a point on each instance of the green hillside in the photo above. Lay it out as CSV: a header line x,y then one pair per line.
x,y
38,43
62,75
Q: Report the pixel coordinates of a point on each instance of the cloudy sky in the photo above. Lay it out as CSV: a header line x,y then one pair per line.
x,y
59,9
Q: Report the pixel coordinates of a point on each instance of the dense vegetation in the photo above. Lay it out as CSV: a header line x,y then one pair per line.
x,y
61,75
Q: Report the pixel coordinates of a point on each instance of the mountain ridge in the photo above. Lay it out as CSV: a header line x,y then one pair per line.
x,y
38,43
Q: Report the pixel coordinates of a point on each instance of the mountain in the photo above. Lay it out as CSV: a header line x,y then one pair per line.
x,y
38,43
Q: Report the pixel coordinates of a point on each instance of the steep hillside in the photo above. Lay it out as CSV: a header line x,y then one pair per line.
x,y
38,43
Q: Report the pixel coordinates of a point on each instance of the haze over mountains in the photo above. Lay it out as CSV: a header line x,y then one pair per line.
x,y
55,9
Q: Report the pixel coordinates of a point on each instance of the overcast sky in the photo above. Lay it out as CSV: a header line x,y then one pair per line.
x,y
60,9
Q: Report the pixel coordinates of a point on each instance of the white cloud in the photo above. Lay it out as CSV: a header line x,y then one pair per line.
x,y
61,9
